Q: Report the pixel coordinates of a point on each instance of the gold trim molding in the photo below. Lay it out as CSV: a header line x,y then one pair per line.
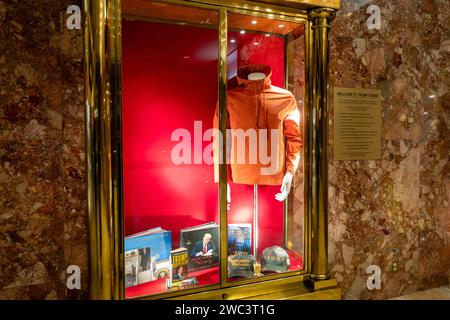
x,y
102,72
334,4
294,4
319,142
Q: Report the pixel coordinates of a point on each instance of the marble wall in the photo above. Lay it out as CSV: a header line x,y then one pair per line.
x,y
42,157
394,210
391,210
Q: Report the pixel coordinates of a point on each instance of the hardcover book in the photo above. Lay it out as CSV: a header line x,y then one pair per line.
x,y
138,267
146,251
184,284
162,269
239,239
131,265
178,265
202,243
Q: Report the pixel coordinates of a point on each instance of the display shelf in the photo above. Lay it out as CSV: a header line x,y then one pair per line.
x,y
204,277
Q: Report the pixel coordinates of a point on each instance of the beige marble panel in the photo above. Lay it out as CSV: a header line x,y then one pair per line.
x,y
393,211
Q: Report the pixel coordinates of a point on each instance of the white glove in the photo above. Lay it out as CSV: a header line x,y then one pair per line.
x,y
199,254
285,187
210,252
228,197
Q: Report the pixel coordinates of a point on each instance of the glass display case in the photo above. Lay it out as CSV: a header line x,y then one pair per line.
x,y
169,113
215,149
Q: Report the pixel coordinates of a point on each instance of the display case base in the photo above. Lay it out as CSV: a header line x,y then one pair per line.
x,y
273,290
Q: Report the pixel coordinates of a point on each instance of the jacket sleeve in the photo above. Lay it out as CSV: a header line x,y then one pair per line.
x,y
293,138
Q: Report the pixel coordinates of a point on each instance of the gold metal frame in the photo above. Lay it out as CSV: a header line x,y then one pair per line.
x,y
102,69
319,142
102,53
223,221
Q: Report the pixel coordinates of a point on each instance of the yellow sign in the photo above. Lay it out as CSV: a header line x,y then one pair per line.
x,y
357,124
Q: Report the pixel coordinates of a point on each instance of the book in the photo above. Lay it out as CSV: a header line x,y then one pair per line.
x,y
145,266
202,243
239,238
131,265
184,284
138,267
178,265
162,269
144,252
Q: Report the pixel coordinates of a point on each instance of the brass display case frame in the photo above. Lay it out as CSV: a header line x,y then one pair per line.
x,y
102,69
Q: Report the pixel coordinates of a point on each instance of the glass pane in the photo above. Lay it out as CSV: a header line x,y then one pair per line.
x,y
265,110
295,213
170,198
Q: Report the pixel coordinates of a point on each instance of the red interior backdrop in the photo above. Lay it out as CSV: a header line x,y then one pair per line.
x,y
167,84
170,81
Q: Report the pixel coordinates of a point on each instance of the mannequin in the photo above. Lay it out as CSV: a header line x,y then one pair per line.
x,y
287,179
263,137
258,107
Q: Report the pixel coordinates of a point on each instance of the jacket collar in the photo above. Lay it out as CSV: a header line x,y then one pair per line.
x,y
244,71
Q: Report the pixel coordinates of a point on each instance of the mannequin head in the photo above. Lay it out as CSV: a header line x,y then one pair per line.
x,y
254,76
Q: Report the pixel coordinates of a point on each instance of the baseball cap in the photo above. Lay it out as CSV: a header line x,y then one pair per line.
x,y
275,259
241,265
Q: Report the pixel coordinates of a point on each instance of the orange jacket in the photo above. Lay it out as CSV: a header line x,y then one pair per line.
x,y
257,105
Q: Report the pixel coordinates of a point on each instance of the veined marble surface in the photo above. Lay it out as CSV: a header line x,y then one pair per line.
x,y
394,210
43,215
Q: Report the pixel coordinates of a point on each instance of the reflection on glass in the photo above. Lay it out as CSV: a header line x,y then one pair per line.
x,y
265,135
169,67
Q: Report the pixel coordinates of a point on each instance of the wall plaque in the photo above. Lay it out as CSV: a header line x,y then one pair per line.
x,y
357,124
